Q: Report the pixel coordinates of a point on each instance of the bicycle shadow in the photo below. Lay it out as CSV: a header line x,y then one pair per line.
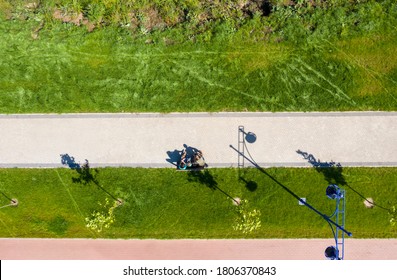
x,y
332,171
333,174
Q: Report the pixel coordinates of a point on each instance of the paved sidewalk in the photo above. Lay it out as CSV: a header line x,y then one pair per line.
x,y
352,139
236,249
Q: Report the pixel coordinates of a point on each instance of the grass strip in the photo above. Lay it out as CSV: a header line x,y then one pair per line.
x,y
165,203
69,70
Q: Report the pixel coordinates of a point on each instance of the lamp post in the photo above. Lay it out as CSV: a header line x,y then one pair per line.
x,y
337,252
243,137
332,191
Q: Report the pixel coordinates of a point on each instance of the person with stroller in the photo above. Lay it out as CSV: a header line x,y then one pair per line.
x,y
182,163
189,161
198,159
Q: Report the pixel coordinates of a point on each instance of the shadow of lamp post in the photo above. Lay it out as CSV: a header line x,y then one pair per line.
x,y
332,191
13,201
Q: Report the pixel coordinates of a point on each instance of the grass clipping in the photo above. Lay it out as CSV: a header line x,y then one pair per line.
x,y
247,220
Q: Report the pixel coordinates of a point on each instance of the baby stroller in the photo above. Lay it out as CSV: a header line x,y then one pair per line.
x,y
195,160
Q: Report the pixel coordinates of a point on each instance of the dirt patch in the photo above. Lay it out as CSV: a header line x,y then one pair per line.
x,y
152,20
77,19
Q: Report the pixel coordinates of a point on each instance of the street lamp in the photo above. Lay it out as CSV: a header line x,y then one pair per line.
x,y
337,252
243,137
332,191
331,253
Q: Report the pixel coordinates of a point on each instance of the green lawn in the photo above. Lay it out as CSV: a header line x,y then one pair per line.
x,y
165,203
70,70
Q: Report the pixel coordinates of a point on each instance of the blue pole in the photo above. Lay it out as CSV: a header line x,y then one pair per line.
x,y
325,217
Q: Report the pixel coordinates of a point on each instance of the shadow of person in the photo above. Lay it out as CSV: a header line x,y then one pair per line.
x,y
174,157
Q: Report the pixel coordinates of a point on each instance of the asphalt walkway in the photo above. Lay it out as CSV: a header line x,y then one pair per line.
x,y
153,140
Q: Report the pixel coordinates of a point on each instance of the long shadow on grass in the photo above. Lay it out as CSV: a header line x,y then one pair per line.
x,y
86,174
333,173
250,185
12,202
6,196
327,218
206,178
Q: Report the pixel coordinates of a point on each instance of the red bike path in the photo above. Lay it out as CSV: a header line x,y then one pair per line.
x,y
192,249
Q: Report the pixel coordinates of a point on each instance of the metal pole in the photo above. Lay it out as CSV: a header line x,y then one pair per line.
x,y
241,145
325,217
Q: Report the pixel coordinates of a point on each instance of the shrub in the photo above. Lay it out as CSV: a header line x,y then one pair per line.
x,y
248,220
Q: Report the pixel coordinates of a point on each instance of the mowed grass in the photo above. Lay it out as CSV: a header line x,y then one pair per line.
x,y
165,203
69,70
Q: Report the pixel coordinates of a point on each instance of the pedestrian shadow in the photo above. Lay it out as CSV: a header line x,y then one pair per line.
x,y
207,179
174,157
333,174
86,174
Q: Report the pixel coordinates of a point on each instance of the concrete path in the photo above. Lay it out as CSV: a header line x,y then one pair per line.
x,y
153,140
262,249
148,140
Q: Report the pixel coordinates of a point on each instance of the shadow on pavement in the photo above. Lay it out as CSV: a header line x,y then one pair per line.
x,y
174,157
332,171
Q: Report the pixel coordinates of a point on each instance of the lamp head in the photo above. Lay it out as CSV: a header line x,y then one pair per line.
x,y
331,253
333,192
